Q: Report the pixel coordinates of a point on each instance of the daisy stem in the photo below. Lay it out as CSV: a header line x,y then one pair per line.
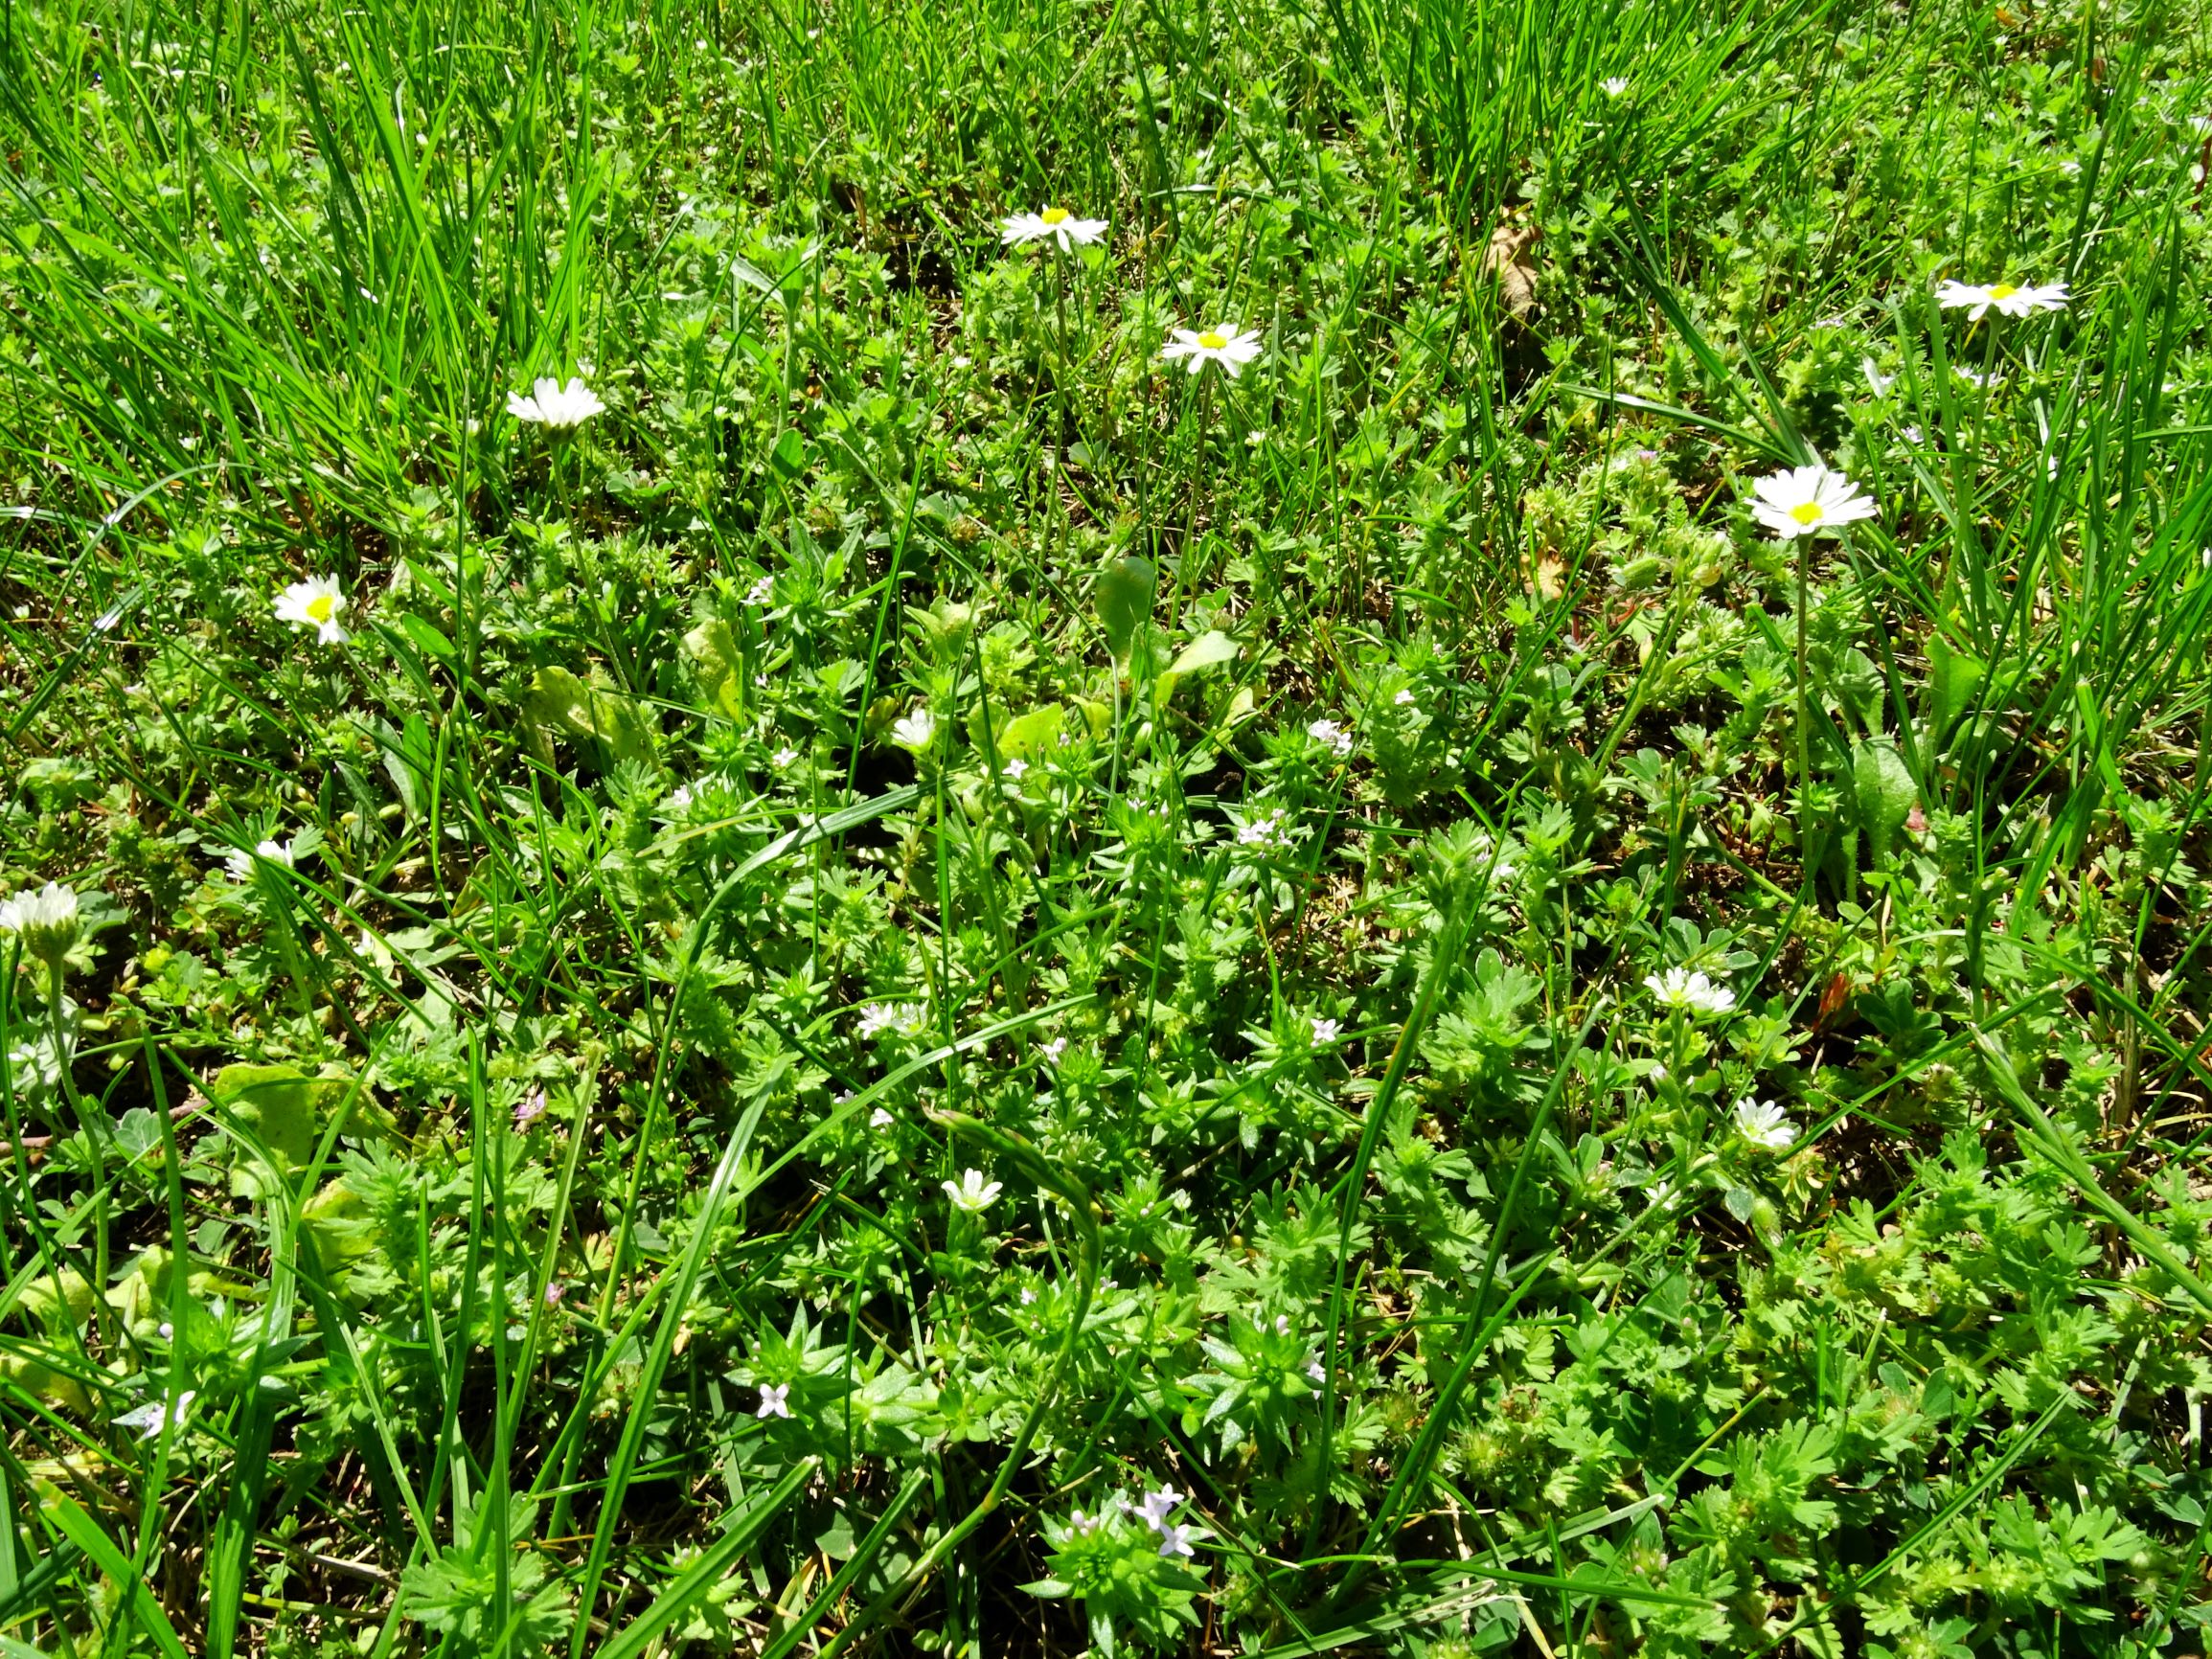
x,y
95,1143
1187,553
1804,714
1066,369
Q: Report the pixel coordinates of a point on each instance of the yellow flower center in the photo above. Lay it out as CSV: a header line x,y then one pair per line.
x,y
319,607
1054,215
2003,290
1212,341
1807,512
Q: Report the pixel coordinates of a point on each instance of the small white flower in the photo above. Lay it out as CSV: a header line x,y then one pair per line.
x,y
1326,1031
1837,321
974,1194
530,1108
1315,1374
240,862
151,1418
1175,1540
1614,85
1332,737
915,731
903,1018
1679,987
1014,768
1911,434
1264,832
1282,1325
772,1399
1027,1296
1222,344
880,1118
680,799
1975,300
1054,1049
1974,376
1055,224
761,591
1404,698
1157,1507
314,604
783,757
1876,379
1256,439
1764,1125
1806,501
45,921
2071,168
556,405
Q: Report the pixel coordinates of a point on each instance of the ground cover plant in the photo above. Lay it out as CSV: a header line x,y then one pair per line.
x,y
1033,828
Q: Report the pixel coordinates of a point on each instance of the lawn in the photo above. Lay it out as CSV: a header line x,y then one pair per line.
x,y
1022,826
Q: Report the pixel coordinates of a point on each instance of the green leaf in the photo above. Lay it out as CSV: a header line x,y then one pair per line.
x,y
1208,650
1124,599
281,1107
789,456
712,651
1885,792
606,724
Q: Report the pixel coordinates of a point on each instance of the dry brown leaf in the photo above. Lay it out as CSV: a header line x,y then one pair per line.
x,y
1508,258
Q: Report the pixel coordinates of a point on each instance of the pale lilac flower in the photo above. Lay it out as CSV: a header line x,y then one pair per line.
x,y
530,1108
1326,1031
772,1399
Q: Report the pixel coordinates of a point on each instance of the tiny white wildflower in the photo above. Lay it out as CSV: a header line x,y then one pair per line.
x,y
1974,376
1175,1540
773,1398
1326,1031
1405,697
974,1194
915,731
761,591
314,604
151,1418
1681,989
1027,1296
1315,1374
1014,768
880,1118
1764,1125
1157,1507
1222,344
555,405
783,757
1614,85
1054,1049
240,863
1332,737
903,1018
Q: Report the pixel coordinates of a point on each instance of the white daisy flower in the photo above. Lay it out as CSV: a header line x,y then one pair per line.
x,y
555,405
915,731
1679,987
974,1194
1614,85
1052,225
45,921
151,1418
1975,300
773,1399
314,604
1764,1125
240,862
1222,344
1332,737
1806,501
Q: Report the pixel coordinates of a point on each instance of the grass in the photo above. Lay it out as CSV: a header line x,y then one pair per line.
x,y
487,1170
